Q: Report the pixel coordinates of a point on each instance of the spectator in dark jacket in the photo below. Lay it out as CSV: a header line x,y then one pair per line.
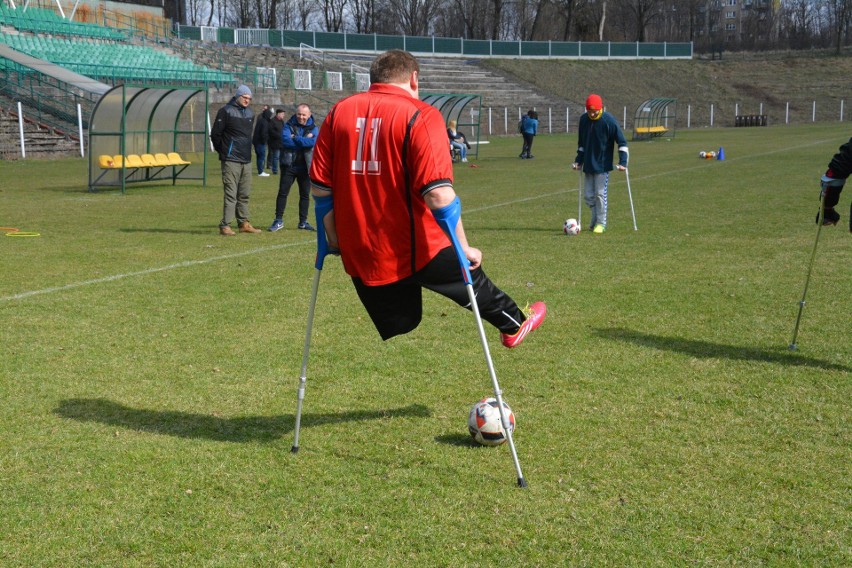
x,y
276,127
261,140
231,136
832,182
297,149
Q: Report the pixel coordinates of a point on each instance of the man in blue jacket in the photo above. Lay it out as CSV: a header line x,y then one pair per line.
x,y
528,128
297,147
231,136
597,136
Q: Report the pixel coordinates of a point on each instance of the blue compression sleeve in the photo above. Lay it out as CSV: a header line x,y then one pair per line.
x,y
448,218
322,207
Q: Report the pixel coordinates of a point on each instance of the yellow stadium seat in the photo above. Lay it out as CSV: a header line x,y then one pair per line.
x,y
134,161
176,160
149,161
106,162
118,161
162,160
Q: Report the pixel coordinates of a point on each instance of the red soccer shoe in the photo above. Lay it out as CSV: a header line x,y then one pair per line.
x,y
537,313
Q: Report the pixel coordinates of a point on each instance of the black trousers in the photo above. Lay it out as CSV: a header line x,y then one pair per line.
x,y
397,308
528,142
288,176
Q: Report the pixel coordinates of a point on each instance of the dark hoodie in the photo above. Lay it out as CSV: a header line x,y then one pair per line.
x,y
261,129
275,128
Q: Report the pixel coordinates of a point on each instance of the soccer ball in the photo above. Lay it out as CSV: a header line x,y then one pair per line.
x,y
702,154
485,425
571,227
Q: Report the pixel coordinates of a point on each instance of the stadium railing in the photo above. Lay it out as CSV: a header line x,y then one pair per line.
x,y
437,45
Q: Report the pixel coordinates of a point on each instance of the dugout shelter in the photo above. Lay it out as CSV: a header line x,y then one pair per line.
x,y
142,133
465,110
655,117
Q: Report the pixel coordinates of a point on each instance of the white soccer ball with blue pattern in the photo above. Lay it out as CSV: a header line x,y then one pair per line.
x,y
485,425
571,227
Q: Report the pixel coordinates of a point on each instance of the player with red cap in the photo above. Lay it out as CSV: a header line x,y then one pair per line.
x,y
598,136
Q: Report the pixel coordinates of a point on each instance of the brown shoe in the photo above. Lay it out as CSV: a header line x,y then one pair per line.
x,y
226,231
245,227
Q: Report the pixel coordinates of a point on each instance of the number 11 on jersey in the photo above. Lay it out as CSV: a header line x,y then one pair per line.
x,y
371,138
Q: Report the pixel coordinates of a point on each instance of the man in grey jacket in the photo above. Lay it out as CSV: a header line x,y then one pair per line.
x,y
231,136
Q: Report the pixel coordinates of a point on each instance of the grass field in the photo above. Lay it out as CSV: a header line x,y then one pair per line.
x,y
148,373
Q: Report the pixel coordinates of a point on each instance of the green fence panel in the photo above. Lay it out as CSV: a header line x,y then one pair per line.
x,y
622,50
386,42
507,48
294,38
451,45
594,49
418,44
651,49
565,49
678,49
535,48
361,42
225,35
330,40
476,47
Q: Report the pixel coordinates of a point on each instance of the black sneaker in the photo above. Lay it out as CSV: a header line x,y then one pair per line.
x,y
306,226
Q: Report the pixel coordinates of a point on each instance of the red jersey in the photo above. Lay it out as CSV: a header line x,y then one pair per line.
x,y
379,153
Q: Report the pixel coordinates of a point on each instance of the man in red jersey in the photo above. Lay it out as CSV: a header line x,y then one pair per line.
x,y
380,169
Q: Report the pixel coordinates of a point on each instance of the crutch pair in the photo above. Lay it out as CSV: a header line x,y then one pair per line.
x,y
448,218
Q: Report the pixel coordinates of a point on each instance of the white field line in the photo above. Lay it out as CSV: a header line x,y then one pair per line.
x,y
261,250
147,271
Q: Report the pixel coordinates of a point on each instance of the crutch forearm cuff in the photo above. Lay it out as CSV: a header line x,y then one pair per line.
x,y
448,216
323,205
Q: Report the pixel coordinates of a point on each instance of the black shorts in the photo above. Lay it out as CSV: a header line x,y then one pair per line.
x,y
397,308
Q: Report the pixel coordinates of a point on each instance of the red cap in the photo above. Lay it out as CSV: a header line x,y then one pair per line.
x,y
594,102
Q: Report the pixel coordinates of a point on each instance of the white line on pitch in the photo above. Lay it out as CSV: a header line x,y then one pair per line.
x,y
147,271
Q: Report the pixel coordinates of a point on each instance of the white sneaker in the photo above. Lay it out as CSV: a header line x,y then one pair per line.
x,y
264,175
464,159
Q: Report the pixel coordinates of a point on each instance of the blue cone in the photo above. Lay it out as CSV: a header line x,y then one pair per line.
x,y
721,154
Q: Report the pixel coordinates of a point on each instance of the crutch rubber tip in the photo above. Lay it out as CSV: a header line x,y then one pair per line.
x,y
793,347
522,482
294,450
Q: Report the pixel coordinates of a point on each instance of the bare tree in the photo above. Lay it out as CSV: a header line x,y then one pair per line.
x,y
304,9
267,13
243,14
642,13
363,15
841,12
567,10
333,13
415,16
799,22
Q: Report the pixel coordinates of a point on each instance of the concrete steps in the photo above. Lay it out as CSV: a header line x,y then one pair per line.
x,y
39,141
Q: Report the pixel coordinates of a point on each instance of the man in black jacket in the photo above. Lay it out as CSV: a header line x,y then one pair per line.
x,y
231,135
276,127
260,140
